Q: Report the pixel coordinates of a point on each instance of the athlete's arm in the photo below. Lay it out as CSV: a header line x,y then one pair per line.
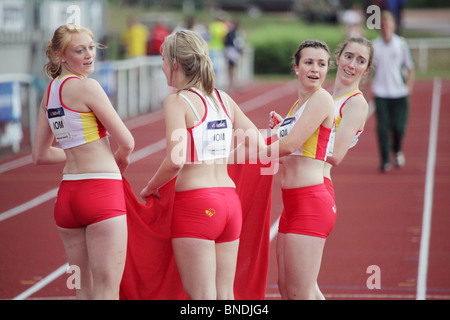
x,y
176,145
317,112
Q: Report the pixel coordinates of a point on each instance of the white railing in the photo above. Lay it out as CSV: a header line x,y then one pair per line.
x,y
135,86
424,45
138,85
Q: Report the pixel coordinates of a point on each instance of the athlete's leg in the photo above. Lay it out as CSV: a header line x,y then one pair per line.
x,y
226,259
383,125
281,266
318,294
74,241
399,120
302,259
107,246
196,262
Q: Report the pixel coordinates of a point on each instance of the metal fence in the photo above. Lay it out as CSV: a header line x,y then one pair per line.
x,y
423,46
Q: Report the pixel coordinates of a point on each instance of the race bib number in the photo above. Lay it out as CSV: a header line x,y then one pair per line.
x,y
283,130
58,124
217,138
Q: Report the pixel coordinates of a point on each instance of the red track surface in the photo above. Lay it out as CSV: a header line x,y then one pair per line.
x,y
379,215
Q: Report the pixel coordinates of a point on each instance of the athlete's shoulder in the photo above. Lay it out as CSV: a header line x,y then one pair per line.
x,y
83,85
174,101
357,104
322,96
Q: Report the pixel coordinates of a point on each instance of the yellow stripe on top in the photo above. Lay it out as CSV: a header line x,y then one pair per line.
x,y
292,108
90,126
347,94
309,148
316,145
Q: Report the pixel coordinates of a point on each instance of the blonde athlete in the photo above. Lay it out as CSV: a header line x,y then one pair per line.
x,y
207,216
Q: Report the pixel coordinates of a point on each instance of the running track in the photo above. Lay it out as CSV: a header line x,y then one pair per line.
x,y
379,223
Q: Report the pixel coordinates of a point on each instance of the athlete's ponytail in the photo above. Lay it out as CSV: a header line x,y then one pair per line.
x,y
190,51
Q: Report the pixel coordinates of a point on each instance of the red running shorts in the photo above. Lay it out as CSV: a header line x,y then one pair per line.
x,y
207,213
308,210
84,199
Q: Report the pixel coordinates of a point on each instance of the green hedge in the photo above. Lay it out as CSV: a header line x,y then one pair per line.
x,y
275,44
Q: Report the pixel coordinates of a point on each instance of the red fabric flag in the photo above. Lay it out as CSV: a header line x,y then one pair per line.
x,y
150,269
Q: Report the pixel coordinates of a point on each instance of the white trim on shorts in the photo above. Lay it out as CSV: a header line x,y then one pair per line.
x,y
95,175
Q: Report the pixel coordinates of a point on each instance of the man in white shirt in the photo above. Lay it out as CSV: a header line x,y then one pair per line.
x,y
392,85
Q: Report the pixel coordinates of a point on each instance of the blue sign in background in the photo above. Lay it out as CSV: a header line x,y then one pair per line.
x,y
10,109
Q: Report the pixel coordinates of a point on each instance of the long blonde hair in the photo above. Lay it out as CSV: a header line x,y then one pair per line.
x,y
190,50
58,44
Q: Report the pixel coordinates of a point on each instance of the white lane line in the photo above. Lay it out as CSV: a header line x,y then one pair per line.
x,y
17,163
428,196
38,286
28,205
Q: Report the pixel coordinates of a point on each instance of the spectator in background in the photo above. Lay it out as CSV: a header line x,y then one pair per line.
x,y
352,19
396,7
157,37
234,46
134,39
191,24
218,30
392,85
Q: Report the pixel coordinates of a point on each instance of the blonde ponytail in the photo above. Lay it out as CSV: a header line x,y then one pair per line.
x,y
190,50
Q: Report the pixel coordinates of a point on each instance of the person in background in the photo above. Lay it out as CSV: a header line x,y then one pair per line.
x,y
134,39
392,85
218,30
309,210
157,36
353,21
90,210
234,47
